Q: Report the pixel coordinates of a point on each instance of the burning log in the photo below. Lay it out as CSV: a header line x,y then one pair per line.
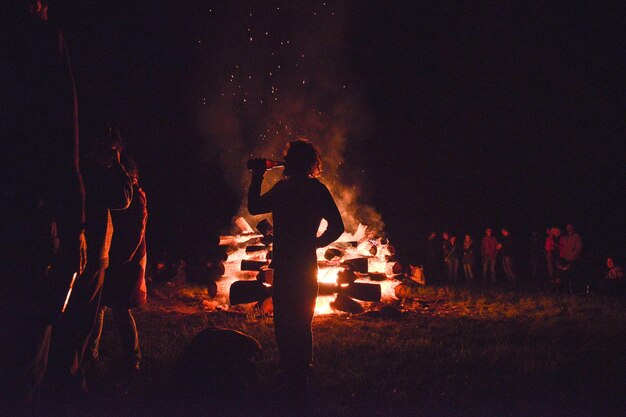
x,y
256,248
244,292
346,276
266,276
326,288
397,268
369,247
377,276
244,226
362,291
249,265
332,253
359,290
265,228
346,245
347,304
356,264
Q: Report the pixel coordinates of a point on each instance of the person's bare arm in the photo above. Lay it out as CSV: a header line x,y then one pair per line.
x,y
335,222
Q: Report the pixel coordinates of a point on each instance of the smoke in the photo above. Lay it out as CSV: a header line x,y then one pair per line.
x,y
274,72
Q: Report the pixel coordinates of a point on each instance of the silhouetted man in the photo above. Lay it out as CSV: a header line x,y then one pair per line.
x,y
41,187
298,203
489,251
108,187
506,252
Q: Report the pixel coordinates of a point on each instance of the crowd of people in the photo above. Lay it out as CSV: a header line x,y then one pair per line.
x,y
555,258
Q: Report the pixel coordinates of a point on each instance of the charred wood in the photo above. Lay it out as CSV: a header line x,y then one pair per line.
x,y
332,253
346,304
248,265
265,227
266,276
359,290
362,291
377,276
256,248
356,264
346,276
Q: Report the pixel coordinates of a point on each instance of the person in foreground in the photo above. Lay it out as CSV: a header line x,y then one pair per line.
x,y
298,204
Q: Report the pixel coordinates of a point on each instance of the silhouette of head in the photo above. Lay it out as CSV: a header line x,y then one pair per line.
x,y
302,159
131,167
488,232
610,263
38,8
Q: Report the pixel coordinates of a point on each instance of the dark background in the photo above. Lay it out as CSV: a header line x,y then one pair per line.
x,y
485,113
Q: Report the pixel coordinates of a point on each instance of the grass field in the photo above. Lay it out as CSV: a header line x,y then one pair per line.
x,y
452,352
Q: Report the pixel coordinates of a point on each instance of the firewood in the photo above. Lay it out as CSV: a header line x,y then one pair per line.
x,y
266,275
346,276
332,253
362,291
345,245
377,276
347,304
249,265
256,248
326,288
265,227
356,264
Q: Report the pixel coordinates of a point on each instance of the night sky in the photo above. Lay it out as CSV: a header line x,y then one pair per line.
x,y
432,115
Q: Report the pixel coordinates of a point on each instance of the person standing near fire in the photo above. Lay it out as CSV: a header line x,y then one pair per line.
x,y
107,187
506,248
469,259
125,284
489,251
452,260
41,193
570,251
298,204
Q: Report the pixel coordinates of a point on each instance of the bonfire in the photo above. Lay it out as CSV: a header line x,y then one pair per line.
x,y
356,273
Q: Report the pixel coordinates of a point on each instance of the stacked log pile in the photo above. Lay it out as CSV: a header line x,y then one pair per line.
x,y
355,272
